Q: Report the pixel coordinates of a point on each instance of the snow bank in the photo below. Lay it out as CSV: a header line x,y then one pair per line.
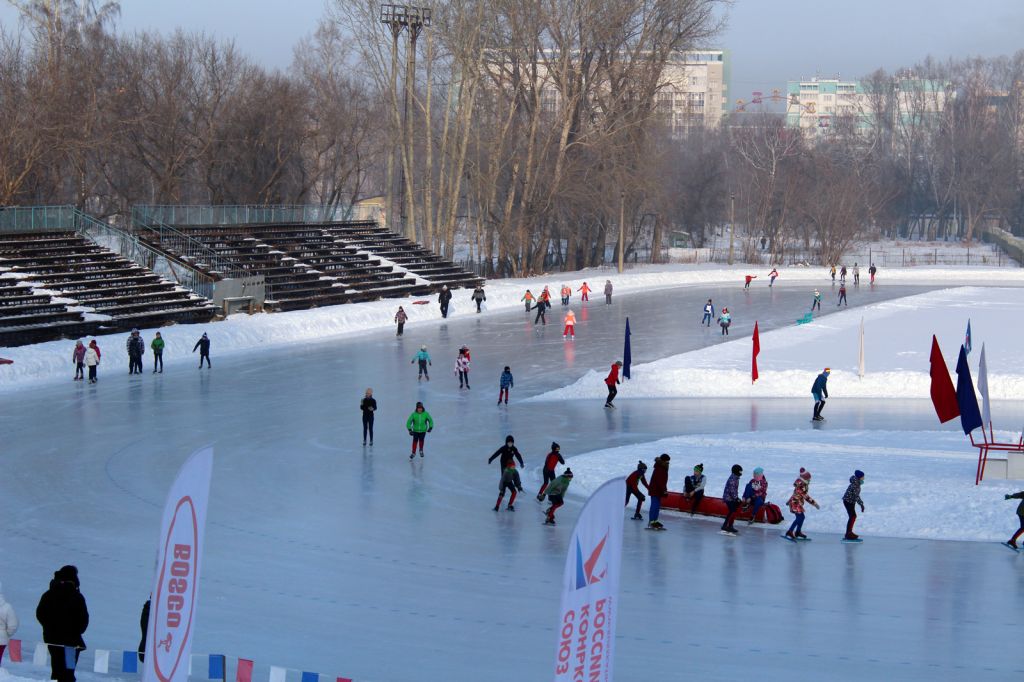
x,y
917,484
240,333
897,343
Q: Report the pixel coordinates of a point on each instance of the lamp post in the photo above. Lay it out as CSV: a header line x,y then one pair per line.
x,y
392,16
732,224
622,226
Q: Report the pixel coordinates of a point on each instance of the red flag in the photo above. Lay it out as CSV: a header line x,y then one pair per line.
x,y
943,393
14,647
244,672
757,349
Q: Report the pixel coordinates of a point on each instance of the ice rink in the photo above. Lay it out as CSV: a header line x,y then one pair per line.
x,y
323,555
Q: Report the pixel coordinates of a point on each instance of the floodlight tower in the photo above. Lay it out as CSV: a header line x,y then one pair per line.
x,y
392,16
416,19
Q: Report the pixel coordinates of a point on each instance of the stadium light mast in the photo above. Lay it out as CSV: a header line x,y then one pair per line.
x,y
416,19
392,16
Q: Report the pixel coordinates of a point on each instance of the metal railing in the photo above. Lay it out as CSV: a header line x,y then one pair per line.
x,y
26,219
251,214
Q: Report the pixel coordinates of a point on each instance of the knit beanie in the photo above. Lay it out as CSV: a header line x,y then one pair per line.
x,y
805,474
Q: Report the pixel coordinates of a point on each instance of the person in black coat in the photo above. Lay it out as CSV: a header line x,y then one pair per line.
x,y
203,344
444,298
144,625
65,617
507,453
368,406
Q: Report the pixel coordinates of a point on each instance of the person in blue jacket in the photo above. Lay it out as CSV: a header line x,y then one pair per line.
x,y
709,313
820,391
423,358
504,383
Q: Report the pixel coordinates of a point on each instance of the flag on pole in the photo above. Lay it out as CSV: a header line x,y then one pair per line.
x,y
172,618
585,633
986,407
942,391
757,349
627,354
967,337
970,415
860,354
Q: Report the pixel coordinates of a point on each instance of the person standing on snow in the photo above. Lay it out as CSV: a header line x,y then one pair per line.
x,y
8,623
505,454
856,275
552,460
136,347
368,406
401,317
709,313
566,293
64,616
693,488
658,488
850,498
633,483
731,497
773,274
725,321
92,360
158,353
528,297
78,360
1012,542
871,271
570,325
842,295
423,358
509,481
478,296
462,368
504,383
419,424
796,501
756,492
610,381
816,303
585,291
203,344
556,495
608,292
444,299
819,391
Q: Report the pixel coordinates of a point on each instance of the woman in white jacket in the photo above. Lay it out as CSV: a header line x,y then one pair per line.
x,y
8,623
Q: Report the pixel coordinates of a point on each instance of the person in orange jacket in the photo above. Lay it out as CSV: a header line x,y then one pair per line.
x,y
528,297
566,293
570,325
585,290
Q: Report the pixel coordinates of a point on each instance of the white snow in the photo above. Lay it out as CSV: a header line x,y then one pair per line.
x,y
897,343
917,484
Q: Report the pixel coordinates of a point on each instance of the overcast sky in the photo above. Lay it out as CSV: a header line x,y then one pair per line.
x,y
771,41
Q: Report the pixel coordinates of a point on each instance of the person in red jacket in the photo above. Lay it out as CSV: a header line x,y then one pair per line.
x,y
611,380
633,483
553,459
658,488
584,290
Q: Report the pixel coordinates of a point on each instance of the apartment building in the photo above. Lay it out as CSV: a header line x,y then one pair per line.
x,y
695,90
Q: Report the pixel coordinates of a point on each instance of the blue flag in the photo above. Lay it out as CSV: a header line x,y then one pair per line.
x,y
967,337
627,355
970,413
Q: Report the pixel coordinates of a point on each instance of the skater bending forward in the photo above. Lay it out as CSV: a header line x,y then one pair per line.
x,y
633,483
796,501
509,481
1012,542
556,495
553,459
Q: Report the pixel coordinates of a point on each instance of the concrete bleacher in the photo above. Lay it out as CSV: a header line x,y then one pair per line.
x,y
59,284
312,265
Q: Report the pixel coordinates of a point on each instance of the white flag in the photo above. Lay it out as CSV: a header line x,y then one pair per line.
x,y
860,359
101,662
590,589
986,409
172,615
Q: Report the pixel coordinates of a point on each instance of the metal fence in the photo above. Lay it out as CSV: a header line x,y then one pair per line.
x,y
37,218
250,214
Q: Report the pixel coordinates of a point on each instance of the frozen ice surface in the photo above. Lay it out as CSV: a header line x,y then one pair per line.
x,y
327,557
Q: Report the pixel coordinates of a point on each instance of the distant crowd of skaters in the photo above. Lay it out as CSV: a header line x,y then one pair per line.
x,y
88,357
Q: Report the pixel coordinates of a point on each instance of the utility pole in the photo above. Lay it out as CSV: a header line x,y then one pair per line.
x,y
732,224
622,226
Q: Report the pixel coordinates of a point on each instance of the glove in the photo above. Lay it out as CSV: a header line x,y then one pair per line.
x,y
862,507
411,433
1006,497
430,429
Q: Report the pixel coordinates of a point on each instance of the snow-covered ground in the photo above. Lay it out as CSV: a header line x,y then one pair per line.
x,y
257,333
897,343
917,484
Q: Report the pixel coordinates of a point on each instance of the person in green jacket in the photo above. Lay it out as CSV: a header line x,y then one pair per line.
x,y
1012,542
158,353
419,424
556,494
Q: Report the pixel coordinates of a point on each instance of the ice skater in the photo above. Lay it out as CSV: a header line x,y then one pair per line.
x,y
462,368
368,406
203,345
584,292
505,382
570,326
851,498
856,275
693,488
842,295
773,274
755,493
136,347
419,424
608,292
541,308
505,454
842,274
158,353
633,483
400,319
509,481
657,489
819,391
478,297
423,358
816,303
611,381
444,300
1012,542
566,293
92,360
796,502
552,460
725,321
833,271
872,271
528,297
709,313
731,497
64,615
747,279
78,360
556,495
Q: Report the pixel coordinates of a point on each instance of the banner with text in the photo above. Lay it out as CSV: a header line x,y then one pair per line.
x,y
172,616
590,588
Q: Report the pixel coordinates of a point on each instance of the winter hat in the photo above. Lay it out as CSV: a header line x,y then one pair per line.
x,y
758,471
699,468
555,446
664,457
828,370
419,405
67,574
509,439
737,469
567,473
507,368
805,474
423,347
858,473
640,466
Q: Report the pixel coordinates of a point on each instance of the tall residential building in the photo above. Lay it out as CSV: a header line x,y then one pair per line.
x,y
695,91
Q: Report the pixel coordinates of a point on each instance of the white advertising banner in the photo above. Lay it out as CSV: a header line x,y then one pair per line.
x,y
590,589
172,614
